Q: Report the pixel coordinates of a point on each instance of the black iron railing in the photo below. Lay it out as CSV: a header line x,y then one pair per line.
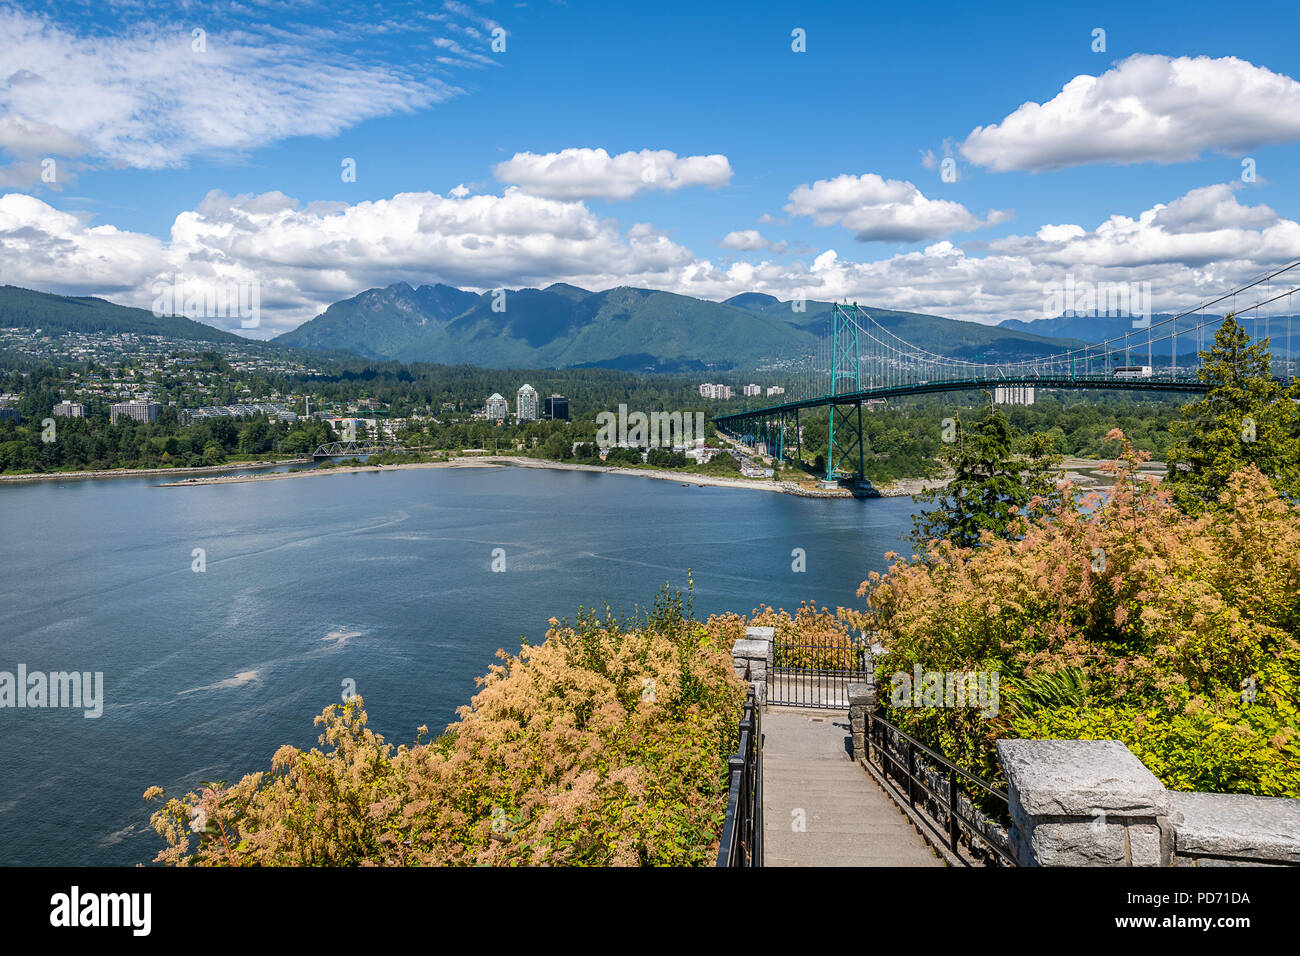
x,y
970,814
742,830
817,672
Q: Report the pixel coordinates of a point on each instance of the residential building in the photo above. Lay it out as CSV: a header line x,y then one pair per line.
x,y
497,407
67,409
557,406
1013,395
715,391
140,411
753,390
526,404
775,390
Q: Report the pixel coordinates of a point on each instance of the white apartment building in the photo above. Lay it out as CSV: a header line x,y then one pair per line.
x,y
526,403
753,390
775,390
497,407
67,409
139,411
1013,395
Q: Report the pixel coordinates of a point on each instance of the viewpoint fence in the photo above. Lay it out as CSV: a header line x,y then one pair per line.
x,y
966,812
742,829
815,672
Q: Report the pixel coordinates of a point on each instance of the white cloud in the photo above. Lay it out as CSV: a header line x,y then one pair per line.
x,y
307,256
145,98
582,173
884,210
1148,108
744,240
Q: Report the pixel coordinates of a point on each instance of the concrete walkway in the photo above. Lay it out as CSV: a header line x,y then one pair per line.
x,y
820,808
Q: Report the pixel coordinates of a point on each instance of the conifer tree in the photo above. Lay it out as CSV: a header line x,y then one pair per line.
x,y
1246,418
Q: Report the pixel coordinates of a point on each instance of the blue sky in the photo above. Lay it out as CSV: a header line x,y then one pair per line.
x,y
731,162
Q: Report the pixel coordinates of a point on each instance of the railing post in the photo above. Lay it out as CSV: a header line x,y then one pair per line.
x,y
911,774
952,809
862,701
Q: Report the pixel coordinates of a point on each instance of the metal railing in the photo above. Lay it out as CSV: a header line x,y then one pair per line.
x,y
742,830
809,672
969,813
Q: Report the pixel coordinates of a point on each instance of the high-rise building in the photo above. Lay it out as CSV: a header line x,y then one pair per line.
x,y
67,409
775,390
557,406
137,410
526,405
1013,395
753,390
497,407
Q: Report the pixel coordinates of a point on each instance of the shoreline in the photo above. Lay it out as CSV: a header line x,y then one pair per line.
x,y
220,475
507,461
153,472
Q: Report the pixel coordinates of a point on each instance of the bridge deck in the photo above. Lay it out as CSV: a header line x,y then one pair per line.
x,y
848,820
1152,384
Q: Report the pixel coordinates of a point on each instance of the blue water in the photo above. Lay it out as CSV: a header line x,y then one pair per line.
x,y
384,579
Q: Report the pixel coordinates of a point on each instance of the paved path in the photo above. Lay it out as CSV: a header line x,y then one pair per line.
x,y
847,819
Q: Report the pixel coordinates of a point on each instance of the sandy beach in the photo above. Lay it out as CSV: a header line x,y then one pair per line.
x,y
506,461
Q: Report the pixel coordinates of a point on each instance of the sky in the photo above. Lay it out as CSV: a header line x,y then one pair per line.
x,y
966,160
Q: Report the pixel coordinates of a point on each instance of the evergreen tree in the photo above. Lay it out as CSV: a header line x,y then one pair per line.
x,y
1246,418
996,471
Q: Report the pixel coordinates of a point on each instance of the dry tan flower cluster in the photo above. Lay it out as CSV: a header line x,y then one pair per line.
x,y
605,745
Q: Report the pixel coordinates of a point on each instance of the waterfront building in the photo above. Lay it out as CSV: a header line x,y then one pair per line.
x,y
497,407
526,404
557,406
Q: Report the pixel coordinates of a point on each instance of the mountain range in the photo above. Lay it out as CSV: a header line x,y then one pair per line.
x,y
563,326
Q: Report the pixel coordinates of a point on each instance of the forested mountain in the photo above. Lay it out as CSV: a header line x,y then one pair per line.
x,y
562,326
27,309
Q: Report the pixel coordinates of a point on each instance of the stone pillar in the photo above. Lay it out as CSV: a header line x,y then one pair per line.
x,y
753,654
862,701
1084,803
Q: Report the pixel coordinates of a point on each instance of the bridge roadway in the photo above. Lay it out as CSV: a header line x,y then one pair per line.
x,y
1154,384
822,809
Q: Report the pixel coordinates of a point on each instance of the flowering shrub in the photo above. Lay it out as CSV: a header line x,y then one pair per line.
x,y
812,638
605,745
1123,618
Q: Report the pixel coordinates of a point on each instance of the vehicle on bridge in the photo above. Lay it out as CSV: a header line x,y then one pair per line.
x,y
1132,371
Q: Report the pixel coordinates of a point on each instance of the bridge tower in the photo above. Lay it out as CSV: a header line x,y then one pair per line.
x,y
846,438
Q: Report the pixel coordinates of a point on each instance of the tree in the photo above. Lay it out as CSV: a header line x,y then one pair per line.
x,y
996,471
1246,418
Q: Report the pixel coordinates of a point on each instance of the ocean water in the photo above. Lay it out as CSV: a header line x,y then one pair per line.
x,y
380,579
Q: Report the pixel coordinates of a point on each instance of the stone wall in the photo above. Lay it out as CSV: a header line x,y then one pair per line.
x,y
1093,803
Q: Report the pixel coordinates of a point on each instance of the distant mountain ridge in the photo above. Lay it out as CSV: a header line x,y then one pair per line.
x,y
563,326
28,309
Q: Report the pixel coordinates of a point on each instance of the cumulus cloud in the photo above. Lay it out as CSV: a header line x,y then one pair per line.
x,y
744,240
1148,108
306,256
582,173
884,210
144,97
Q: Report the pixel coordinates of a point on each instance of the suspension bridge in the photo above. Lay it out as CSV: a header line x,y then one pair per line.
x,y
858,361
